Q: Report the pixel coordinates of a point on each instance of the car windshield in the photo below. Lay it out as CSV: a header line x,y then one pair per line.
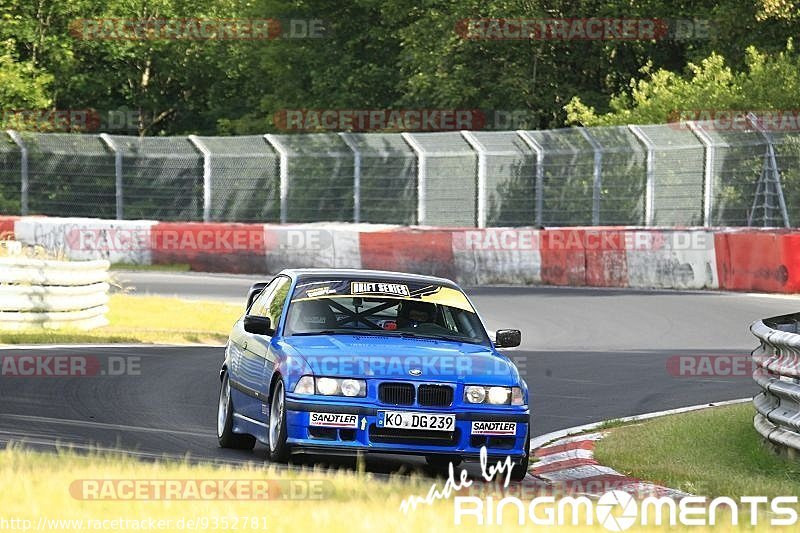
x,y
378,307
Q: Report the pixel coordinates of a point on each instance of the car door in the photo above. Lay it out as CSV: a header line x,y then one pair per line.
x,y
259,350
244,367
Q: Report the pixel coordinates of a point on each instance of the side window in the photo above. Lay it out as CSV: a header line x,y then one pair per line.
x,y
273,305
258,308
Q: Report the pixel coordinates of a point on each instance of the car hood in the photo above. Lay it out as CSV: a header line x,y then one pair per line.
x,y
403,358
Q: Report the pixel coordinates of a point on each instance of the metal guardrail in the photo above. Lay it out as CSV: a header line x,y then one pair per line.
x,y
777,371
36,293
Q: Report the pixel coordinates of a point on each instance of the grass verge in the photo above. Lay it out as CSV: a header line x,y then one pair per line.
x,y
46,486
148,319
713,452
69,492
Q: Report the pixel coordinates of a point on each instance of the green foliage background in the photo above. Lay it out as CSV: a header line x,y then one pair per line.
x,y
392,54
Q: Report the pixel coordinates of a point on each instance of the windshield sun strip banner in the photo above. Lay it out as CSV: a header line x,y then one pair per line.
x,y
385,290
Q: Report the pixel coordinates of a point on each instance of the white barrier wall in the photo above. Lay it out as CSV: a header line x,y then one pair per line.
x,y
683,259
672,260
501,255
82,239
318,245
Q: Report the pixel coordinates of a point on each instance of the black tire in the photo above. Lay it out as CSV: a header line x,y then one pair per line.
x,y
520,468
225,435
279,451
441,461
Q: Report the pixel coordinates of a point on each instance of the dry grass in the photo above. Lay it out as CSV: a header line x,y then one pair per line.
x,y
37,486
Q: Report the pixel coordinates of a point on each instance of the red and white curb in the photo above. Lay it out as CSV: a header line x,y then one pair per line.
x,y
565,462
568,466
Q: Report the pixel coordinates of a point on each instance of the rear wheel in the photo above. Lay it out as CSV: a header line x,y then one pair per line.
x,y
225,435
278,449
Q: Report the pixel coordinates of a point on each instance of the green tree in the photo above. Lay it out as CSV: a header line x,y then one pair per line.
x,y
768,81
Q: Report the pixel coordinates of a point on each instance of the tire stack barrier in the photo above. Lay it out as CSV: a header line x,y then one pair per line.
x,y
36,293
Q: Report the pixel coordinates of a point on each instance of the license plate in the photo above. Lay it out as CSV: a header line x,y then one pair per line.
x,y
494,428
333,420
406,420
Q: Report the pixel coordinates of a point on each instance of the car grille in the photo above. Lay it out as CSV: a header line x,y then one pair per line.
x,y
396,393
406,394
435,395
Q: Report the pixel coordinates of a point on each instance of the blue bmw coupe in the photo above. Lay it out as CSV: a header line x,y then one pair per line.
x,y
348,361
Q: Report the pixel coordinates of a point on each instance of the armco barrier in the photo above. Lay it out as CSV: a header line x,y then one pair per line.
x,y
52,294
777,372
685,259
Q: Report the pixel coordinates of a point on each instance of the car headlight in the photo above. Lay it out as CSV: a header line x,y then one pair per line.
x,y
494,395
352,388
473,394
327,386
498,395
305,385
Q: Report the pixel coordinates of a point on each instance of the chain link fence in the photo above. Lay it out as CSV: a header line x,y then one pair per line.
x,y
683,174
675,174
244,177
386,179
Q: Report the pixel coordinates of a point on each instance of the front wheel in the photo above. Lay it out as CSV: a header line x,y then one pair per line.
x,y
225,435
278,449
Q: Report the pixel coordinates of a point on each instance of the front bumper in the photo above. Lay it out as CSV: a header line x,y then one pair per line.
x,y
368,438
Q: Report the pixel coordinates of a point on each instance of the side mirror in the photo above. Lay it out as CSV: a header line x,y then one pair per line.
x,y
507,338
255,290
258,325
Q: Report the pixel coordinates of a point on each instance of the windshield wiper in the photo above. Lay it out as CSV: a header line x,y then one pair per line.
x,y
434,336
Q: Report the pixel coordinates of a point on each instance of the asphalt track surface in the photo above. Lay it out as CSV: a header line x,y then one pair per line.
x,y
587,355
